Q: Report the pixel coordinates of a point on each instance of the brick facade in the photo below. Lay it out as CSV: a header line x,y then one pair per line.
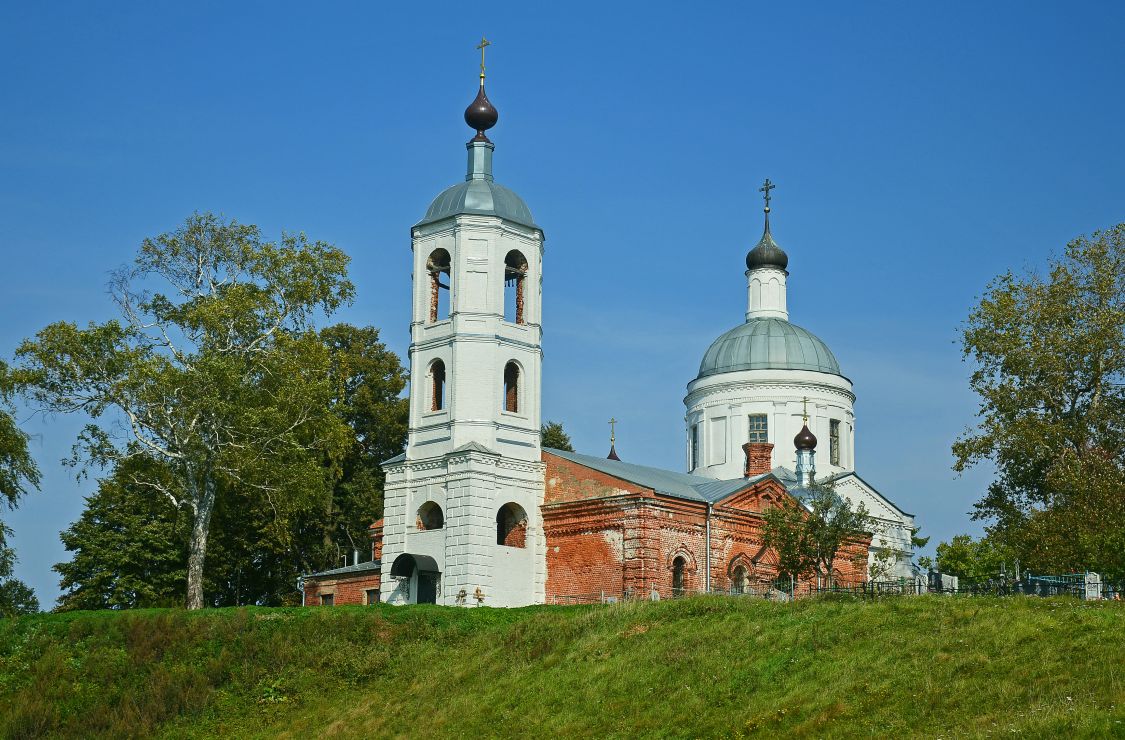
x,y
351,589
759,457
609,537
348,588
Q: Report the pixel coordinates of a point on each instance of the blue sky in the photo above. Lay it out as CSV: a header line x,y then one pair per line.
x,y
918,150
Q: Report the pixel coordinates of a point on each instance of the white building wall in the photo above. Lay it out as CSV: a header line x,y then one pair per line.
x,y
473,456
780,395
766,293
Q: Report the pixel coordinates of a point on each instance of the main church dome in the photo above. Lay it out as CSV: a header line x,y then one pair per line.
x,y
768,344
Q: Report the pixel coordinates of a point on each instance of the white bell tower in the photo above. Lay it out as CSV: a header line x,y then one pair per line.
x,y
462,521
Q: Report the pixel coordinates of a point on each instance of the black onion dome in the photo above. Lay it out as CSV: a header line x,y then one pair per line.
x,y
805,440
481,115
767,253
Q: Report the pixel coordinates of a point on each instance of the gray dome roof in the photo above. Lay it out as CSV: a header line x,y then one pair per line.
x,y
480,198
768,344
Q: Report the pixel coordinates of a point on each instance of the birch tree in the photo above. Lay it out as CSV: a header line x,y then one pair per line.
x,y
213,368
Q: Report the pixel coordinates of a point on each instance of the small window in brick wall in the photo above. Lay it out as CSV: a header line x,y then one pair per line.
x,y
372,596
511,526
327,599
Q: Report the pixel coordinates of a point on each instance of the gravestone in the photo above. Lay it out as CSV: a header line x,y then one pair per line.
x,y
1093,586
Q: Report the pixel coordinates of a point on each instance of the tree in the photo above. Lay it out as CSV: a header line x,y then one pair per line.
x,y
18,473
129,548
367,381
552,435
809,531
971,559
221,379
1049,357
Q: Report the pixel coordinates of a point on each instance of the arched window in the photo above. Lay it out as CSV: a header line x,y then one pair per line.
x,y
511,525
512,387
515,276
437,265
437,385
678,566
429,517
738,580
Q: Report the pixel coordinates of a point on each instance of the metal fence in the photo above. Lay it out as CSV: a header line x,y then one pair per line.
x,y
1076,585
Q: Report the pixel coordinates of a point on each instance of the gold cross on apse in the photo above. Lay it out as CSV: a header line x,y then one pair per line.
x,y
612,430
766,188
483,43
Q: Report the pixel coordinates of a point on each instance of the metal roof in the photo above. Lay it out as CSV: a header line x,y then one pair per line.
x,y
348,570
773,344
678,485
480,198
479,195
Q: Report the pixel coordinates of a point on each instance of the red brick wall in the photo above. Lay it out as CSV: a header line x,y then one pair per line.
x,y
759,458
517,535
376,533
608,535
351,590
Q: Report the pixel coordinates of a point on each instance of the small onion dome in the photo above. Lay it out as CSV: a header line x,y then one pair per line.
x,y
612,453
481,115
805,440
767,253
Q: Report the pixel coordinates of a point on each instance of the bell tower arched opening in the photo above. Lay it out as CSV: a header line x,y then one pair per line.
x,y
515,279
439,264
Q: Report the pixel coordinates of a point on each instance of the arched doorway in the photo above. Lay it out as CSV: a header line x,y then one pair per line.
x,y
678,566
738,580
421,571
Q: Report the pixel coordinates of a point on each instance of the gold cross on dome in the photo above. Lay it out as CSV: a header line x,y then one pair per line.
x,y
483,43
612,430
804,401
766,188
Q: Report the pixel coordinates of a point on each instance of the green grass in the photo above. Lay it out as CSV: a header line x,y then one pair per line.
x,y
926,666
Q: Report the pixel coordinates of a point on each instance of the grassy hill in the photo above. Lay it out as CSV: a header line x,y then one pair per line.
x,y
927,666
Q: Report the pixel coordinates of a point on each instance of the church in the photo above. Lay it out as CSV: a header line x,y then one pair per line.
x,y
477,512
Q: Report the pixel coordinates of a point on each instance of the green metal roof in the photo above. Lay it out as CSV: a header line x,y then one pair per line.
x,y
479,195
768,344
667,482
480,198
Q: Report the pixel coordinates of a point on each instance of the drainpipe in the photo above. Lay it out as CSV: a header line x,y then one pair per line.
x,y
707,557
